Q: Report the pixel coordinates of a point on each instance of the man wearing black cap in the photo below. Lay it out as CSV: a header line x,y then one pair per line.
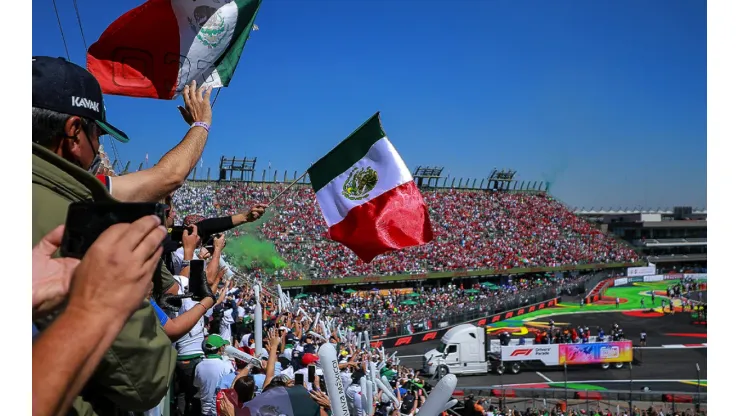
x,y
69,118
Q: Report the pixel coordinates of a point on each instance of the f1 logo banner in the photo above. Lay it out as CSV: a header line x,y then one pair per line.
x,y
547,353
521,351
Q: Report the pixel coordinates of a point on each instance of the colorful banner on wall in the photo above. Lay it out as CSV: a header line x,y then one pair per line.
x,y
596,353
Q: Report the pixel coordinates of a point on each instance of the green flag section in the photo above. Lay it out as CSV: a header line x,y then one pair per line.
x,y
368,196
158,48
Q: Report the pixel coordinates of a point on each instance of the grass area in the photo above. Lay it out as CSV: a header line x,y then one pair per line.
x,y
629,300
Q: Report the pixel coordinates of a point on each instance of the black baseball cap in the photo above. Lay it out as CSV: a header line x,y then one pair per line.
x,y
61,86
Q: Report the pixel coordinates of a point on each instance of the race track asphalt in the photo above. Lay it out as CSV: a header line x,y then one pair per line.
x,y
664,369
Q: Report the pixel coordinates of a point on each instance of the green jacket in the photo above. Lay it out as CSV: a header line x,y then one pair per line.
x,y
136,371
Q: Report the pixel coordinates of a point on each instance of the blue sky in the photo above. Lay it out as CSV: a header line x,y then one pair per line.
x,y
606,99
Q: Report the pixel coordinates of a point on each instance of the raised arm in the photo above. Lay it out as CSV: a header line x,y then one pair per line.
x,y
153,184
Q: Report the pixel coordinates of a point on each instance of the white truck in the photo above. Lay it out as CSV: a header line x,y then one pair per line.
x,y
466,349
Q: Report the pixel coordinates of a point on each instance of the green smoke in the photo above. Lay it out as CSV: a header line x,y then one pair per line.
x,y
248,252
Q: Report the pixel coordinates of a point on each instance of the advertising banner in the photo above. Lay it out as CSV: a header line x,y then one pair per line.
x,y
621,281
656,278
695,276
595,353
640,271
547,353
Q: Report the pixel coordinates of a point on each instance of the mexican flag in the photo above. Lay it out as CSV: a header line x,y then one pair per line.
x,y
368,196
159,47
277,401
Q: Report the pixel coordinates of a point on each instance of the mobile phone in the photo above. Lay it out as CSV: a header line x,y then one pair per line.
x,y
299,379
178,231
87,220
197,267
311,373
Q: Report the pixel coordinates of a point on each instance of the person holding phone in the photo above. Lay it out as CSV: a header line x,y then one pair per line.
x,y
98,305
68,119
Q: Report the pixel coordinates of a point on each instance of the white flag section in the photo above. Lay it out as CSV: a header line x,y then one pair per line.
x,y
158,48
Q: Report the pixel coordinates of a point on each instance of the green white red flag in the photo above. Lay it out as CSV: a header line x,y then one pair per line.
x,y
159,47
368,196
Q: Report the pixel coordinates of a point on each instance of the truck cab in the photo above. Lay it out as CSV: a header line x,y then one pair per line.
x,y
460,351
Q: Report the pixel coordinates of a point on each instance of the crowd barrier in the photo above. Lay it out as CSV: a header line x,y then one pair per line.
x,y
547,398
438,333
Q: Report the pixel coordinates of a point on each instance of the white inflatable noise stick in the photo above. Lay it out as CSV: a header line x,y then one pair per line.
x,y
317,335
368,390
241,355
387,390
439,397
363,395
257,321
450,404
367,340
334,386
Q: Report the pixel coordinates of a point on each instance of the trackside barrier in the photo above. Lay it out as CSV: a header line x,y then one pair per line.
x,y
581,399
439,333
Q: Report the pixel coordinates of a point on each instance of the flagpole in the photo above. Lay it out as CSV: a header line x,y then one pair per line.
x,y
288,187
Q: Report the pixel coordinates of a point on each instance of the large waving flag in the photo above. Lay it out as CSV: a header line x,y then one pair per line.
x,y
159,47
368,196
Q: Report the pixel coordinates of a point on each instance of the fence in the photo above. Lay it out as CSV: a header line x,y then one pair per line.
x,y
588,400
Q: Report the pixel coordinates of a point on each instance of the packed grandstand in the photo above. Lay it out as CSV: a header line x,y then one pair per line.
x,y
474,229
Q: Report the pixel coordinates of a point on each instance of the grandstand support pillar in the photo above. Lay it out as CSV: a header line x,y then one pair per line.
x,y
264,172
194,170
467,181
444,183
208,175
285,176
295,174
474,181
274,177
141,165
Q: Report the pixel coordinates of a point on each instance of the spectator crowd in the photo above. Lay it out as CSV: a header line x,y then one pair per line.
x,y
137,318
473,229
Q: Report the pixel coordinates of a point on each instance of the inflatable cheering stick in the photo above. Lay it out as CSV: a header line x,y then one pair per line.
x,y
439,397
334,386
257,322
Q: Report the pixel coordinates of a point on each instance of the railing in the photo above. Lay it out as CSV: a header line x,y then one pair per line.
x,y
560,398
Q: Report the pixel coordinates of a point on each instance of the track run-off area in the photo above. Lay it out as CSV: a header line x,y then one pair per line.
x,y
676,344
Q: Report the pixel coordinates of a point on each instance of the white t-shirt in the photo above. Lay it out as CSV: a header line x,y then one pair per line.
x,y
190,343
225,328
240,312
177,258
304,371
245,340
208,374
